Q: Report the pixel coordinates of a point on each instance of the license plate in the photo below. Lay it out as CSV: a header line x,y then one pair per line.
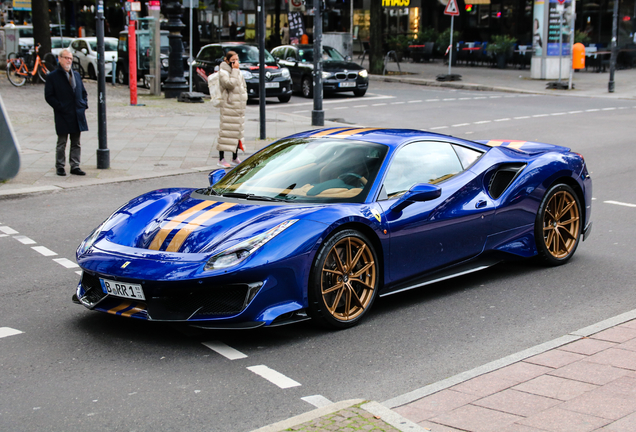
x,y
122,289
347,84
272,85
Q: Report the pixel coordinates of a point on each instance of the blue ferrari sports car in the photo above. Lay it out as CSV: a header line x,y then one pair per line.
x,y
319,224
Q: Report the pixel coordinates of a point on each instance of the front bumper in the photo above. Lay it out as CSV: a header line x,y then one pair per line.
x,y
284,88
336,86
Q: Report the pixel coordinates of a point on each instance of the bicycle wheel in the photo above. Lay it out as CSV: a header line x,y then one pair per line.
x,y
50,61
77,66
43,72
13,74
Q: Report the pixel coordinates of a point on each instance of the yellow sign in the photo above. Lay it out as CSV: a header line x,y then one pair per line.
x,y
23,5
396,3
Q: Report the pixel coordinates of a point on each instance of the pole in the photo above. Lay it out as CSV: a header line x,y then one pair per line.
x,y
560,43
261,67
132,57
190,59
572,21
450,52
610,84
103,154
318,115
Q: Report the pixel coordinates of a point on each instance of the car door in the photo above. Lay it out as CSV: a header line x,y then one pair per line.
x,y
428,235
82,53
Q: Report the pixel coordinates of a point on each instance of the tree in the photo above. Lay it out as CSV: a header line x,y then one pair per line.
x,y
41,25
376,62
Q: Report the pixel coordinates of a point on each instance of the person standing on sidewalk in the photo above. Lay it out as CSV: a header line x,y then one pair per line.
x,y
234,91
65,92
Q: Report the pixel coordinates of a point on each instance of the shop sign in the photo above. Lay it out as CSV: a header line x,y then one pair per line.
x,y
21,5
394,4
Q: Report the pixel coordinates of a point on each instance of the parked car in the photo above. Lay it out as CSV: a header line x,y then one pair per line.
x,y
322,223
58,43
277,78
339,73
143,57
85,49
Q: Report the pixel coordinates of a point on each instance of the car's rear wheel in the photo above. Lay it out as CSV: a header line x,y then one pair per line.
x,y
558,225
344,280
122,75
306,87
91,72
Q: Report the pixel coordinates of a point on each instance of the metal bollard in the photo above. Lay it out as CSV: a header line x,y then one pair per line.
x,y
114,71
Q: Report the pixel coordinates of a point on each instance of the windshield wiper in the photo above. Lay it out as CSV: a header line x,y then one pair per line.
x,y
251,197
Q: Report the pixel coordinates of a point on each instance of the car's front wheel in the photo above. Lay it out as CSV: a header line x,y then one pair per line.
x,y
307,87
91,72
122,75
558,225
344,280
284,99
359,92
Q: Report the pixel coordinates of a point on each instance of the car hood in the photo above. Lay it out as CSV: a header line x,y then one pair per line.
x,y
340,65
175,221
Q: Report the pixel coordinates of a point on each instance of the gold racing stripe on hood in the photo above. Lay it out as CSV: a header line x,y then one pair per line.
x,y
506,143
354,132
329,132
516,144
494,143
173,223
184,232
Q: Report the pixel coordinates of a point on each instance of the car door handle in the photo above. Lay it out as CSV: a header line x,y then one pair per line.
x,y
481,204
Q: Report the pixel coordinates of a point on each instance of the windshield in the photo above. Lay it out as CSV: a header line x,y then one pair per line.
x,y
61,43
249,54
109,45
307,170
328,54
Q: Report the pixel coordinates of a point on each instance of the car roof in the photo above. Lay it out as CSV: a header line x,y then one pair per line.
x,y
386,136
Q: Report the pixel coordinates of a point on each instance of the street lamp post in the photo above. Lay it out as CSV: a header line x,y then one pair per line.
x,y
610,84
317,114
176,83
103,154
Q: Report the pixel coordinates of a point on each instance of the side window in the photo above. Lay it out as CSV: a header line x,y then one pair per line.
x,y
277,52
218,53
75,45
291,53
206,54
467,155
421,162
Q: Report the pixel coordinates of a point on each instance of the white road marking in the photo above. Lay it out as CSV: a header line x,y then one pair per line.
x,y
65,262
465,99
44,251
449,99
521,118
397,103
8,331
300,112
502,119
360,106
461,124
339,108
483,122
274,377
24,240
575,112
414,101
79,272
4,235
608,109
495,97
7,230
620,203
438,127
318,401
592,110
380,104
432,100
226,351
540,115
558,114
326,102
480,97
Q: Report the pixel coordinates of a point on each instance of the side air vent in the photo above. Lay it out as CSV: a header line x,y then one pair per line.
x,y
502,178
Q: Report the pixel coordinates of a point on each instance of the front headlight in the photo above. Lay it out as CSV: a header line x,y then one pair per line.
x,y
165,63
240,252
90,240
326,75
363,73
285,73
247,74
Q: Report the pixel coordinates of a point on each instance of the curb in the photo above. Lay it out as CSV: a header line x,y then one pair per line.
x,y
447,84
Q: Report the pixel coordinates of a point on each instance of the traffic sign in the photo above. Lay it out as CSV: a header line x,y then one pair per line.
x,y
561,1
296,6
451,8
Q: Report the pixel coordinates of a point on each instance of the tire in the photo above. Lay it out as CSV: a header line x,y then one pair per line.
x,y
340,297
557,229
12,73
145,82
77,66
284,99
43,71
91,72
122,76
359,92
306,87
50,61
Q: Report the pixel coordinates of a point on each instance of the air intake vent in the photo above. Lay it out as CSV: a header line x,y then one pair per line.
x,y
502,178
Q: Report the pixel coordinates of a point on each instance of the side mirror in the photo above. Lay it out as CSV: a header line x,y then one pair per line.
x,y
85,51
215,176
418,193
348,58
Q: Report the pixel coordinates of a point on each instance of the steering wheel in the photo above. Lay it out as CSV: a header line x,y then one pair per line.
x,y
353,179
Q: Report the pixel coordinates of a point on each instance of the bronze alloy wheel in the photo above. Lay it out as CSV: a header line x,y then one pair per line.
x,y
344,281
560,224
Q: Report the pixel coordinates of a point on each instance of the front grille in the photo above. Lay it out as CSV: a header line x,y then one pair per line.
x,y
349,75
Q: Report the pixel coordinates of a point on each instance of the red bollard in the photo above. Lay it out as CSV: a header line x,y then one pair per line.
x,y
578,56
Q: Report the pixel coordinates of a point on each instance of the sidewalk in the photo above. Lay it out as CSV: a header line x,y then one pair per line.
x,y
584,381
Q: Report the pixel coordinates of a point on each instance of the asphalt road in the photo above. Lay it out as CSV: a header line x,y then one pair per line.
x,y
72,369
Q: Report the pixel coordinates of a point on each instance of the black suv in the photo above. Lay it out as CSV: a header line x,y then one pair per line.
x,y
277,79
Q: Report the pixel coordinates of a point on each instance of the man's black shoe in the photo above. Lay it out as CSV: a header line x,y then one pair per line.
x,y
61,172
77,171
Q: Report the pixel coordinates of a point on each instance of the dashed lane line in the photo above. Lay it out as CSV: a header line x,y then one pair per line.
x,y
24,240
7,230
620,203
8,331
44,251
318,401
225,350
65,262
274,377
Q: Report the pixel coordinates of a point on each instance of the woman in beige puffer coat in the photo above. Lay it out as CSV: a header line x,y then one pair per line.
x,y
234,91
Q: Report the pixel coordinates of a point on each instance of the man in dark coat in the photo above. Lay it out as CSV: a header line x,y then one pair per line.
x,y
65,92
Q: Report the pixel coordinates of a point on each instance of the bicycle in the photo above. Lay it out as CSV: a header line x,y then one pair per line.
x,y
18,68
